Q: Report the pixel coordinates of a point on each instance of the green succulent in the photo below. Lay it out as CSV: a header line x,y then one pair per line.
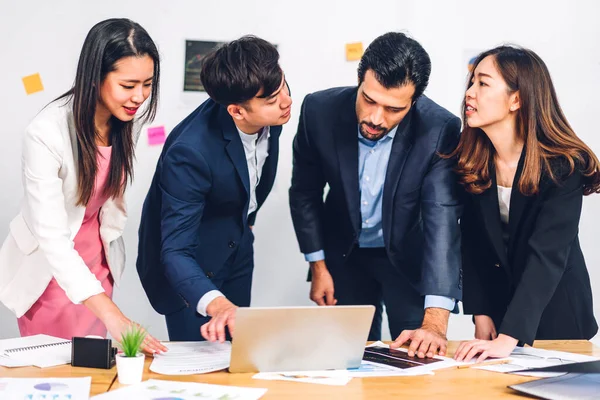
x,y
132,339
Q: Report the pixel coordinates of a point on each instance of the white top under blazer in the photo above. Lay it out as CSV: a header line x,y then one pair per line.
x,y
504,202
40,242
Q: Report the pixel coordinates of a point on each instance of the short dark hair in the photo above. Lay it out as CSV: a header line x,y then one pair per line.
x,y
236,71
396,60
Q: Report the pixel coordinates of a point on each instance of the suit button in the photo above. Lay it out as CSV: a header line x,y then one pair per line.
x,y
210,274
497,265
343,255
231,244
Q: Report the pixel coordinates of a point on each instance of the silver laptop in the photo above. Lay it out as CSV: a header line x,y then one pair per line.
x,y
299,338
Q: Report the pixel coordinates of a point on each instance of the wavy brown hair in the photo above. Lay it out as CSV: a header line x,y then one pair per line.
x,y
540,124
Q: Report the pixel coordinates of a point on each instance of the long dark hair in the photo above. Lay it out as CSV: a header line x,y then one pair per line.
x,y
540,124
106,43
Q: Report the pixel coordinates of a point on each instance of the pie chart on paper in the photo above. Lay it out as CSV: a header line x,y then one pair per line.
x,y
168,398
46,387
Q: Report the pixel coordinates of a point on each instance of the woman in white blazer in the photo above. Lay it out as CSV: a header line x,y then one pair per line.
x,y
65,248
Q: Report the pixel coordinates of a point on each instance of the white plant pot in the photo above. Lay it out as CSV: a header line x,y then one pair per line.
x,y
130,369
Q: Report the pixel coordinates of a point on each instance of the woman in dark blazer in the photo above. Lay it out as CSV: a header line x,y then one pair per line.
x,y
525,173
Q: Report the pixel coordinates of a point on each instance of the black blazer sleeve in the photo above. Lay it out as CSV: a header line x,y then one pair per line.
x,y
554,233
441,207
475,299
306,192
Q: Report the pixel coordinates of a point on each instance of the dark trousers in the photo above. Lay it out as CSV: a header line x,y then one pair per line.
x,y
234,281
368,277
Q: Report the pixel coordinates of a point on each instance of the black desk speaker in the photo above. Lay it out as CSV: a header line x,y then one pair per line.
x,y
92,353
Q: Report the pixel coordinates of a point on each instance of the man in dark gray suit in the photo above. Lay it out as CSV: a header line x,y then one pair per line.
x,y
388,231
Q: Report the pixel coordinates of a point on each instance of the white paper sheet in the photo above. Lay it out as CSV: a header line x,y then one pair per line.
x,y
331,377
188,358
341,377
529,357
6,361
565,387
159,389
373,370
45,388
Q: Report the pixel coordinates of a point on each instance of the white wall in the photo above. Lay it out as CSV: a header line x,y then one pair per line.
x,y
46,37
567,37
311,35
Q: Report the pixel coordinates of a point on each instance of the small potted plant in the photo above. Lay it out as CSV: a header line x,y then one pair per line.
x,y
130,363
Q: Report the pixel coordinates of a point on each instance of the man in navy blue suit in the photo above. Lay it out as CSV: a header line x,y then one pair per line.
x,y
217,167
388,230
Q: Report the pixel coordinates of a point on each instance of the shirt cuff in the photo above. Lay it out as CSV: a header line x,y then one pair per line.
x,y
315,256
205,301
432,301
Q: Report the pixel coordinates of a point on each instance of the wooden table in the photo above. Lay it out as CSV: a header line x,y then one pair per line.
x,y
463,384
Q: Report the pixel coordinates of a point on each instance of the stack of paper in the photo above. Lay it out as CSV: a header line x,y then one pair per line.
x,y
524,358
159,389
187,358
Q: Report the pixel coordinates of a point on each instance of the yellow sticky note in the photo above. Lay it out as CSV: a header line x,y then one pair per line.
x,y
33,83
354,51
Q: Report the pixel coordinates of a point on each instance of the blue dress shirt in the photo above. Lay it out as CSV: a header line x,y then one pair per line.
x,y
373,158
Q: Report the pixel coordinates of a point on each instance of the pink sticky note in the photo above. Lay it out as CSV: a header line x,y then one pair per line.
x,y
156,135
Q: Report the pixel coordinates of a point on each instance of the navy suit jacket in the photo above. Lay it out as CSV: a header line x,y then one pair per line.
x,y
421,197
194,219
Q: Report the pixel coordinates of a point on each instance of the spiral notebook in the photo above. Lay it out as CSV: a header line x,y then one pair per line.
x,y
38,350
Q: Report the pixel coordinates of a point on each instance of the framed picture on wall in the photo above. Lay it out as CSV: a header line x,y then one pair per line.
x,y
195,51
